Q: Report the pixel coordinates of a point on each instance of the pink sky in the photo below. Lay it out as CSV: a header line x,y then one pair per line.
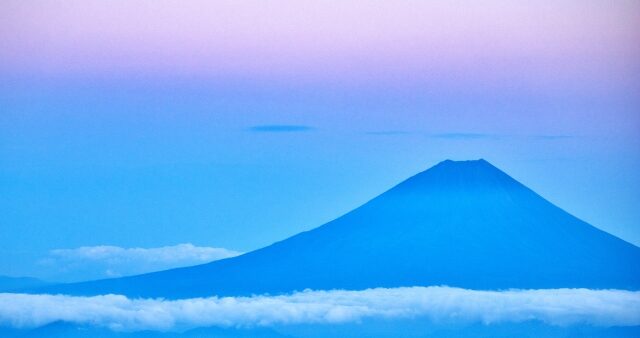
x,y
349,41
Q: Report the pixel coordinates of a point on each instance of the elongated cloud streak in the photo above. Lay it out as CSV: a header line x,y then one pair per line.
x,y
91,262
438,304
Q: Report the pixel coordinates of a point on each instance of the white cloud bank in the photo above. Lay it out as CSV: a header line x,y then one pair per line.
x,y
438,304
92,262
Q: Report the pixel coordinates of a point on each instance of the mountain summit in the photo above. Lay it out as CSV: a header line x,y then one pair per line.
x,y
460,223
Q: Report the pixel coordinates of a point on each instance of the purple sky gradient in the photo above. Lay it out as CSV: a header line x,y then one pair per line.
x,y
496,43
151,123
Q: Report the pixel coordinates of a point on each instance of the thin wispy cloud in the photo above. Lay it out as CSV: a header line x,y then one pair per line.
x,y
388,133
112,261
552,137
560,307
489,136
280,128
464,136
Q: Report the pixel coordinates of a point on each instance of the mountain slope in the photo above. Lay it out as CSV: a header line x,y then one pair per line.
x,y
464,224
368,329
14,284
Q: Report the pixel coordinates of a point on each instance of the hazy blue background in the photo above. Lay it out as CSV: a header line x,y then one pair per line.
x,y
235,125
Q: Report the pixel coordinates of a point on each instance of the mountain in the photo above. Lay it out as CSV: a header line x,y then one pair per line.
x,y
460,223
366,329
71,330
13,284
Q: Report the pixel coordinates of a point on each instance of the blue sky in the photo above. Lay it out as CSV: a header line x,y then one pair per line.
x,y
150,166
152,140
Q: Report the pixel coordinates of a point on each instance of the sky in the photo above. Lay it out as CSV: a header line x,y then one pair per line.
x,y
233,124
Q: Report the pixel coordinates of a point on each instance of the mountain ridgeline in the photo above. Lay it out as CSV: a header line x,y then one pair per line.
x,y
16,284
460,223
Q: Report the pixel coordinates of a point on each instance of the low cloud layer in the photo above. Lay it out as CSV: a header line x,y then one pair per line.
x,y
93,262
437,304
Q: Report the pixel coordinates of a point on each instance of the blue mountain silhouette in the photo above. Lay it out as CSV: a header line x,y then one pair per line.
x,y
460,223
15,284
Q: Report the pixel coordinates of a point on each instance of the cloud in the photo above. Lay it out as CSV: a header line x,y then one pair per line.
x,y
487,136
465,136
91,262
552,137
280,128
388,133
437,304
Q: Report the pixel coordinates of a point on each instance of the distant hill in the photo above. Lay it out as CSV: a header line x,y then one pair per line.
x,y
14,284
69,330
460,223
368,329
